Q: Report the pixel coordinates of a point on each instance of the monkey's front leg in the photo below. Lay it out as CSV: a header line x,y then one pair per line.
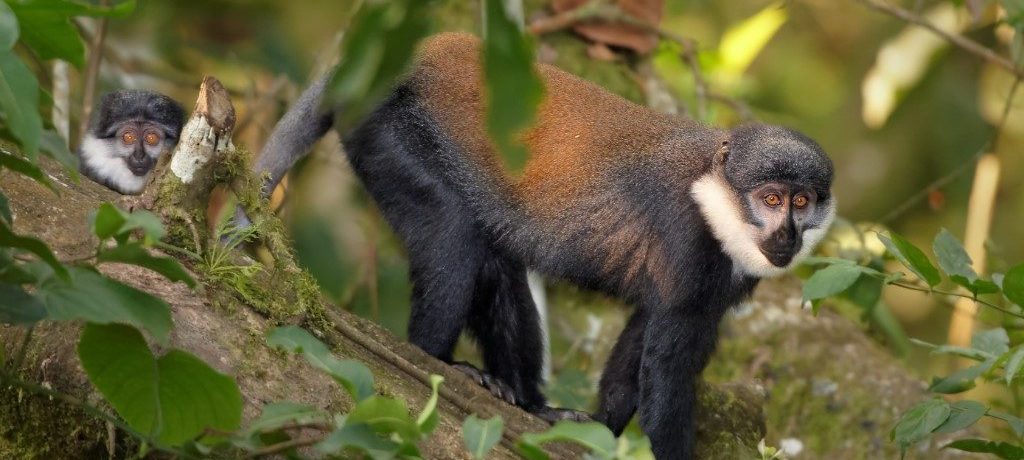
x,y
674,355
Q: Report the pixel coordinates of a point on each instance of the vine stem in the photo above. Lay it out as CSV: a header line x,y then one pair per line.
x,y
957,294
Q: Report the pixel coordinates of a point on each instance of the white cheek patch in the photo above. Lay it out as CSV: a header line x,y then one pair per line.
x,y
98,156
718,205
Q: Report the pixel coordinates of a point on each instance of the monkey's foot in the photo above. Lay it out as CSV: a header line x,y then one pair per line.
x,y
553,415
496,386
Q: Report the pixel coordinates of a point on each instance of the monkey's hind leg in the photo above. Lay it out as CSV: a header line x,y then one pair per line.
x,y
505,322
619,389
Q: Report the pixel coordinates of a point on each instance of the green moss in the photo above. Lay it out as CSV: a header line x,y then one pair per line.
x,y
36,427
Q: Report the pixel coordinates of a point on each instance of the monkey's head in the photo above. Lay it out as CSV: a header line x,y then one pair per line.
x,y
129,131
768,198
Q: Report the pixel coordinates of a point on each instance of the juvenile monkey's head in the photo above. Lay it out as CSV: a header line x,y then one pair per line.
x,y
128,132
767,198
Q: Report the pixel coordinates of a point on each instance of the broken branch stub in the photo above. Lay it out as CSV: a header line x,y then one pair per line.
x,y
207,135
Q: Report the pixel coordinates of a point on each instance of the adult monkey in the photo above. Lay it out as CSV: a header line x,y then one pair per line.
x,y
675,217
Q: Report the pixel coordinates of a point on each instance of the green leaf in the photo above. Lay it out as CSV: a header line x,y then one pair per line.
x,y
961,380
10,240
592,435
742,42
111,221
1016,423
992,341
514,89
378,46
354,376
1013,285
911,257
962,415
47,28
919,422
92,297
953,259
26,168
1000,449
385,416
428,416
360,437
480,436
319,252
8,27
135,254
19,307
830,281
173,398
1014,363
19,99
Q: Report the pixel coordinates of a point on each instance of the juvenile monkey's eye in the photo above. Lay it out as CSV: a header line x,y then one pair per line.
x,y
772,200
128,137
152,138
800,201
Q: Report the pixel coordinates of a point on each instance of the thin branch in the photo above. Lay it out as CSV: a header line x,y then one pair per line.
x,y
957,294
960,41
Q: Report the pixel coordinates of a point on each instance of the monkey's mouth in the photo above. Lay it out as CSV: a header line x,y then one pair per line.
x,y
778,258
139,168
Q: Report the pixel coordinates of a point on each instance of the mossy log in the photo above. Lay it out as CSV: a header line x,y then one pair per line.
x,y
226,328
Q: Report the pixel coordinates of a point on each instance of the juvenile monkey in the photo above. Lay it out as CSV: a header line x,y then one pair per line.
x,y
677,218
127,133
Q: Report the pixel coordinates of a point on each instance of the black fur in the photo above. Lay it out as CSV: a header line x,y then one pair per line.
x,y
135,104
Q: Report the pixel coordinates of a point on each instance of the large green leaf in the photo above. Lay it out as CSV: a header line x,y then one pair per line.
x,y
1013,285
18,306
10,240
359,436
513,87
592,435
173,398
9,31
919,422
480,436
92,297
111,222
19,99
911,257
1014,363
354,376
47,28
136,254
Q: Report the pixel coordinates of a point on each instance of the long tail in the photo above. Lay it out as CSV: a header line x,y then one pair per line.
x,y
294,135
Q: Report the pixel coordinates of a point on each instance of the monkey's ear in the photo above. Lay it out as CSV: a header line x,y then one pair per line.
x,y
722,155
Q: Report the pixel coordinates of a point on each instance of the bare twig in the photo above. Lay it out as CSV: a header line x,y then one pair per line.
x,y
960,41
92,70
961,295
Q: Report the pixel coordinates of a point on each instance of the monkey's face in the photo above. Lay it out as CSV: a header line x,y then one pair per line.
x,y
139,144
780,213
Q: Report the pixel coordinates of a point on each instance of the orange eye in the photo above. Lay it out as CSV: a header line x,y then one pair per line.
x,y
128,138
772,200
800,201
152,139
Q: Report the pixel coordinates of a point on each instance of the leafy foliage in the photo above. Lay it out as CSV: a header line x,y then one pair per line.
x,y
480,436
